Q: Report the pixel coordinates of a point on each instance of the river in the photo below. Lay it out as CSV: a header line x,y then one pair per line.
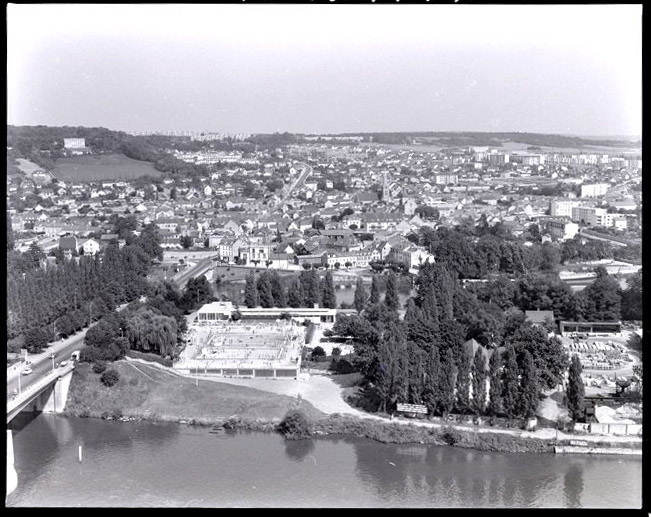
x,y
145,464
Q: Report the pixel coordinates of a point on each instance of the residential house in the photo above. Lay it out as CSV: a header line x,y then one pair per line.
x,y
90,247
229,247
410,254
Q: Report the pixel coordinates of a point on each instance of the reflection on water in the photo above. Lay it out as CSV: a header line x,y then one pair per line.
x,y
573,486
298,450
145,464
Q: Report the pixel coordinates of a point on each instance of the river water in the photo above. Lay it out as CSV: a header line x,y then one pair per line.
x,y
144,464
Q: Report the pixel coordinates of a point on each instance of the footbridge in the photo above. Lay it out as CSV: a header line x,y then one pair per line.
x,y
48,394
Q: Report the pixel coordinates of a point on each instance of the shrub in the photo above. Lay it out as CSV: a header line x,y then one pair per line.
x,y
318,352
110,378
90,354
294,426
99,366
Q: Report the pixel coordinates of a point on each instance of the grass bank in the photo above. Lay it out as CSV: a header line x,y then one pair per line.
x,y
388,432
145,392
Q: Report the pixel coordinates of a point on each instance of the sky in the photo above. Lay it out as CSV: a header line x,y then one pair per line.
x,y
327,68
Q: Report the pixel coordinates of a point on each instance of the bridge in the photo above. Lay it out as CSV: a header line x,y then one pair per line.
x,y
200,268
48,394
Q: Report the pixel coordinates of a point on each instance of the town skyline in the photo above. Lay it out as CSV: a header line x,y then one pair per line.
x,y
578,72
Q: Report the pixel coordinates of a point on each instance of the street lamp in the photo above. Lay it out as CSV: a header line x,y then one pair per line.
x,y
52,357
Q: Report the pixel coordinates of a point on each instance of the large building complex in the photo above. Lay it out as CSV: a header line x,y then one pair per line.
x,y
244,349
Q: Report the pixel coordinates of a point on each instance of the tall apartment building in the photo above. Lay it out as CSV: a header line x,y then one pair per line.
x,y
597,217
562,208
498,159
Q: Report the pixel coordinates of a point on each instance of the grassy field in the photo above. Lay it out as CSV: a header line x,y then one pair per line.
x,y
104,167
28,167
147,392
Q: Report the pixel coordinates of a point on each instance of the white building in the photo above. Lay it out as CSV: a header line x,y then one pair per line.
x,y
562,208
594,189
562,229
74,143
90,247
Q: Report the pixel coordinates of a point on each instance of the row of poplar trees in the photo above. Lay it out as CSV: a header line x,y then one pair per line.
x,y
304,290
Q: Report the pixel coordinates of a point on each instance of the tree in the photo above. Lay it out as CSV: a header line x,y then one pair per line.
x,y
463,380
495,388
36,339
575,389
391,294
318,352
10,233
632,298
548,353
375,291
295,296
277,290
110,378
186,242
510,383
328,295
34,255
479,382
197,292
264,291
446,382
529,387
602,298
250,291
361,296
432,373
294,426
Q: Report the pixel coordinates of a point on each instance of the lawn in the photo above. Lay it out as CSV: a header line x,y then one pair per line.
x,y
147,392
102,167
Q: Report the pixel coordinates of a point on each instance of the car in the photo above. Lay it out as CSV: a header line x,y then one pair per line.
x,y
28,363
63,363
27,371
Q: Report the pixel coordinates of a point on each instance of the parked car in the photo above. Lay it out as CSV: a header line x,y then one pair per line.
x,y
27,371
63,363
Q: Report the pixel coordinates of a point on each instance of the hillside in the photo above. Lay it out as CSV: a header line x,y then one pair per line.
x,y
102,167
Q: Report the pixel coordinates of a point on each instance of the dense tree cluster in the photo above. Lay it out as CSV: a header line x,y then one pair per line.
x,y
424,358
64,297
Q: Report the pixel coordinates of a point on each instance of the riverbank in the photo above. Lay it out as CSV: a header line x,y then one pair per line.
x,y
145,392
149,391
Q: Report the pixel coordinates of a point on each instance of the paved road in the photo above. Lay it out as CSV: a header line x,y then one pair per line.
x,y
307,170
42,362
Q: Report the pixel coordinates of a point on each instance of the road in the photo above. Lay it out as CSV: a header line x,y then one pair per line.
x,y
42,362
307,170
